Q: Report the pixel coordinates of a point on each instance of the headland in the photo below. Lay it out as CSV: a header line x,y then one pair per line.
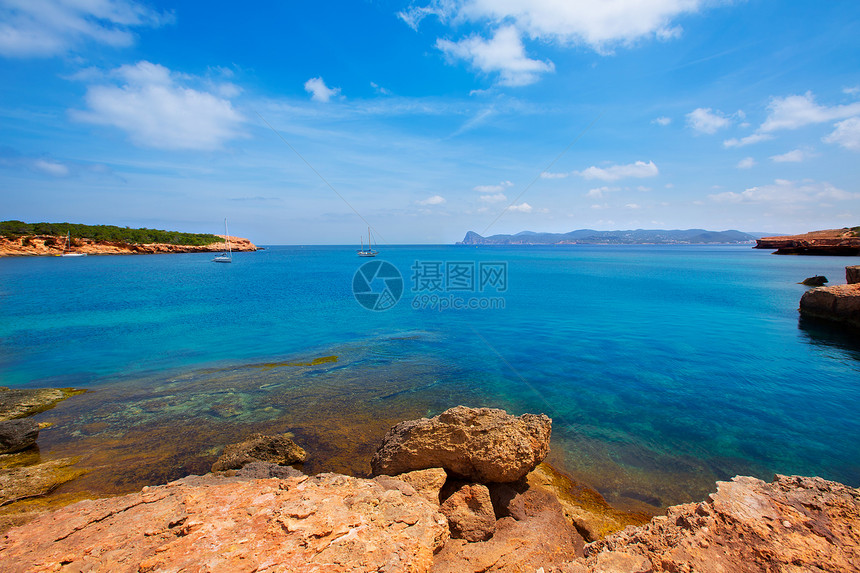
x,y
838,242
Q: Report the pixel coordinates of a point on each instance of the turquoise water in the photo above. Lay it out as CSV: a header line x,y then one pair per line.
x,y
663,368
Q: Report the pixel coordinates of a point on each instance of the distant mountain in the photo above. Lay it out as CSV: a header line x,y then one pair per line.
x,y
633,237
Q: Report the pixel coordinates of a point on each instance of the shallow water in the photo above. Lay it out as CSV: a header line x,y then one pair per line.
x,y
663,368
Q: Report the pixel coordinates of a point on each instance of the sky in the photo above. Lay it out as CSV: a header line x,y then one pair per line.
x,y
307,122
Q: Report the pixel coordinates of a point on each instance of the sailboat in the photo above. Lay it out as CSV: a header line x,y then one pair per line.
x,y
226,257
67,247
369,252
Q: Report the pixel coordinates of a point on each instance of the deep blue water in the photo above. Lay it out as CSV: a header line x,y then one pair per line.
x,y
663,367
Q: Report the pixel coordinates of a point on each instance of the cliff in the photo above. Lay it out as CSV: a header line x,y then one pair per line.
x,y
841,242
48,245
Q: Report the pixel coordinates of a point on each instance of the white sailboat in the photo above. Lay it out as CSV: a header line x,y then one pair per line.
x,y
369,252
67,247
226,257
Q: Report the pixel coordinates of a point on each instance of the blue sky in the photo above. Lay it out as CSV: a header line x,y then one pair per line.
x,y
305,122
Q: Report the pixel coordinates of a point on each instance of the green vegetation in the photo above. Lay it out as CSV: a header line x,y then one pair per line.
x,y
855,231
109,233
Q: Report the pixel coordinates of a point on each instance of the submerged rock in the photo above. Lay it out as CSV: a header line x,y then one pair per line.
x,y
328,523
817,280
480,444
23,402
278,449
17,435
18,483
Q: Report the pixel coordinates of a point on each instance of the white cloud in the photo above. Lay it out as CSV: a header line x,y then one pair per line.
x,y
156,110
44,28
52,168
748,140
616,172
632,206
521,208
503,54
853,90
548,175
493,188
797,111
319,91
846,134
785,192
746,163
793,156
600,191
664,121
434,200
495,198
599,25
706,121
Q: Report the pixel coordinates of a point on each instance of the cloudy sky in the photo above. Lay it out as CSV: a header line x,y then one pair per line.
x,y
304,122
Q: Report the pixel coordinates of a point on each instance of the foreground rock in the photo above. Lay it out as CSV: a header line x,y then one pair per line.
x,y
23,402
852,274
795,524
325,523
841,242
278,449
17,435
838,303
479,444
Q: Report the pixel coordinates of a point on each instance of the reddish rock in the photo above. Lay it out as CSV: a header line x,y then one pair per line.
x,y
852,275
794,524
427,482
838,303
536,534
327,523
470,513
479,444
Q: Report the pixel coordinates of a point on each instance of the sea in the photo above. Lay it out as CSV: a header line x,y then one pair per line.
x,y
663,368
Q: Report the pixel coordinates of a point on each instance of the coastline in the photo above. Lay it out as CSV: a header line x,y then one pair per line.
x,y
15,247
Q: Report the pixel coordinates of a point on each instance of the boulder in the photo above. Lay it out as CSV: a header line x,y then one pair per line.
x,y
817,280
852,275
17,435
470,513
328,523
838,303
534,535
278,449
479,444
792,524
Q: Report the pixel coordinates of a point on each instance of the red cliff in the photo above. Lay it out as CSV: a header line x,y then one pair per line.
x,y
43,245
840,242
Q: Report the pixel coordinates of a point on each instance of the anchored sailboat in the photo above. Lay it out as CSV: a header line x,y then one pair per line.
x,y
369,252
226,257
67,247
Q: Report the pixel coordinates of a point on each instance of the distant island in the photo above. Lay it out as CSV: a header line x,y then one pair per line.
x,y
18,238
837,242
632,237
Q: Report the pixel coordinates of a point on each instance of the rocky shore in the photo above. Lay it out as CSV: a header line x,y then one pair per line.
x,y
45,245
838,303
469,493
841,242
